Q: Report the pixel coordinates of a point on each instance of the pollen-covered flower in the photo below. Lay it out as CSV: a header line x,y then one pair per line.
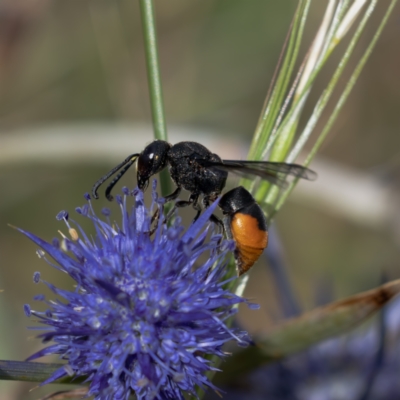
x,y
145,311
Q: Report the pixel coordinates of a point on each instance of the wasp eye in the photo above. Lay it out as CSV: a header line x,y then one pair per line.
x,y
145,163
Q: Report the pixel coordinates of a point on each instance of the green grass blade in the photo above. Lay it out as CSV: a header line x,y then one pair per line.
x,y
154,78
273,106
342,99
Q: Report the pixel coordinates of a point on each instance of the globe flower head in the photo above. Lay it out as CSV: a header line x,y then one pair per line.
x,y
145,311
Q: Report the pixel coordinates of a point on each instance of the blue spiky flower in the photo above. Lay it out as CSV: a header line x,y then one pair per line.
x,y
145,313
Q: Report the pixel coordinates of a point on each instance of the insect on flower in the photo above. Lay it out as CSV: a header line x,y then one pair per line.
x,y
193,167
146,311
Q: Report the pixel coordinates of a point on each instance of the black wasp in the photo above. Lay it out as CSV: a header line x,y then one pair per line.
x,y
194,168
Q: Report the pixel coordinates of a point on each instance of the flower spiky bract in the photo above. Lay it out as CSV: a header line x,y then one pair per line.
x,y
145,311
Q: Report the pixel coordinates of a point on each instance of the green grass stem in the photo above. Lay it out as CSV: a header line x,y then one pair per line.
x,y
154,78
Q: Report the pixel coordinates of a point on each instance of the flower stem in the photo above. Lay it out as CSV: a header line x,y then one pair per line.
x,y
31,372
154,78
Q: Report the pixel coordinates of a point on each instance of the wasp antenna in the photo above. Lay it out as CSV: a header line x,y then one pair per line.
x,y
118,177
131,159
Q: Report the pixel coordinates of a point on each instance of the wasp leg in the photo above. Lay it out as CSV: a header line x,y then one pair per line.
x,y
156,216
224,226
197,207
226,221
154,220
178,204
193,200
217,221
206,201
173,195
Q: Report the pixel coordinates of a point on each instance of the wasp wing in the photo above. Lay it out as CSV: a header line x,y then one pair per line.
x,y
274,172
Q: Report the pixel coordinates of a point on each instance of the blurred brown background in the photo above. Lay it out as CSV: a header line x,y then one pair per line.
x,y
74,101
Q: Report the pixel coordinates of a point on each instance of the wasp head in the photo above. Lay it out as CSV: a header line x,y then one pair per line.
x,y
151,161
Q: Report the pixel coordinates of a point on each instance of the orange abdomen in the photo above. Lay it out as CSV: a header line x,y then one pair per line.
x,y
251,239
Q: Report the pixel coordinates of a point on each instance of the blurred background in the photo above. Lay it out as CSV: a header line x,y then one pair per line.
x,y
74,102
